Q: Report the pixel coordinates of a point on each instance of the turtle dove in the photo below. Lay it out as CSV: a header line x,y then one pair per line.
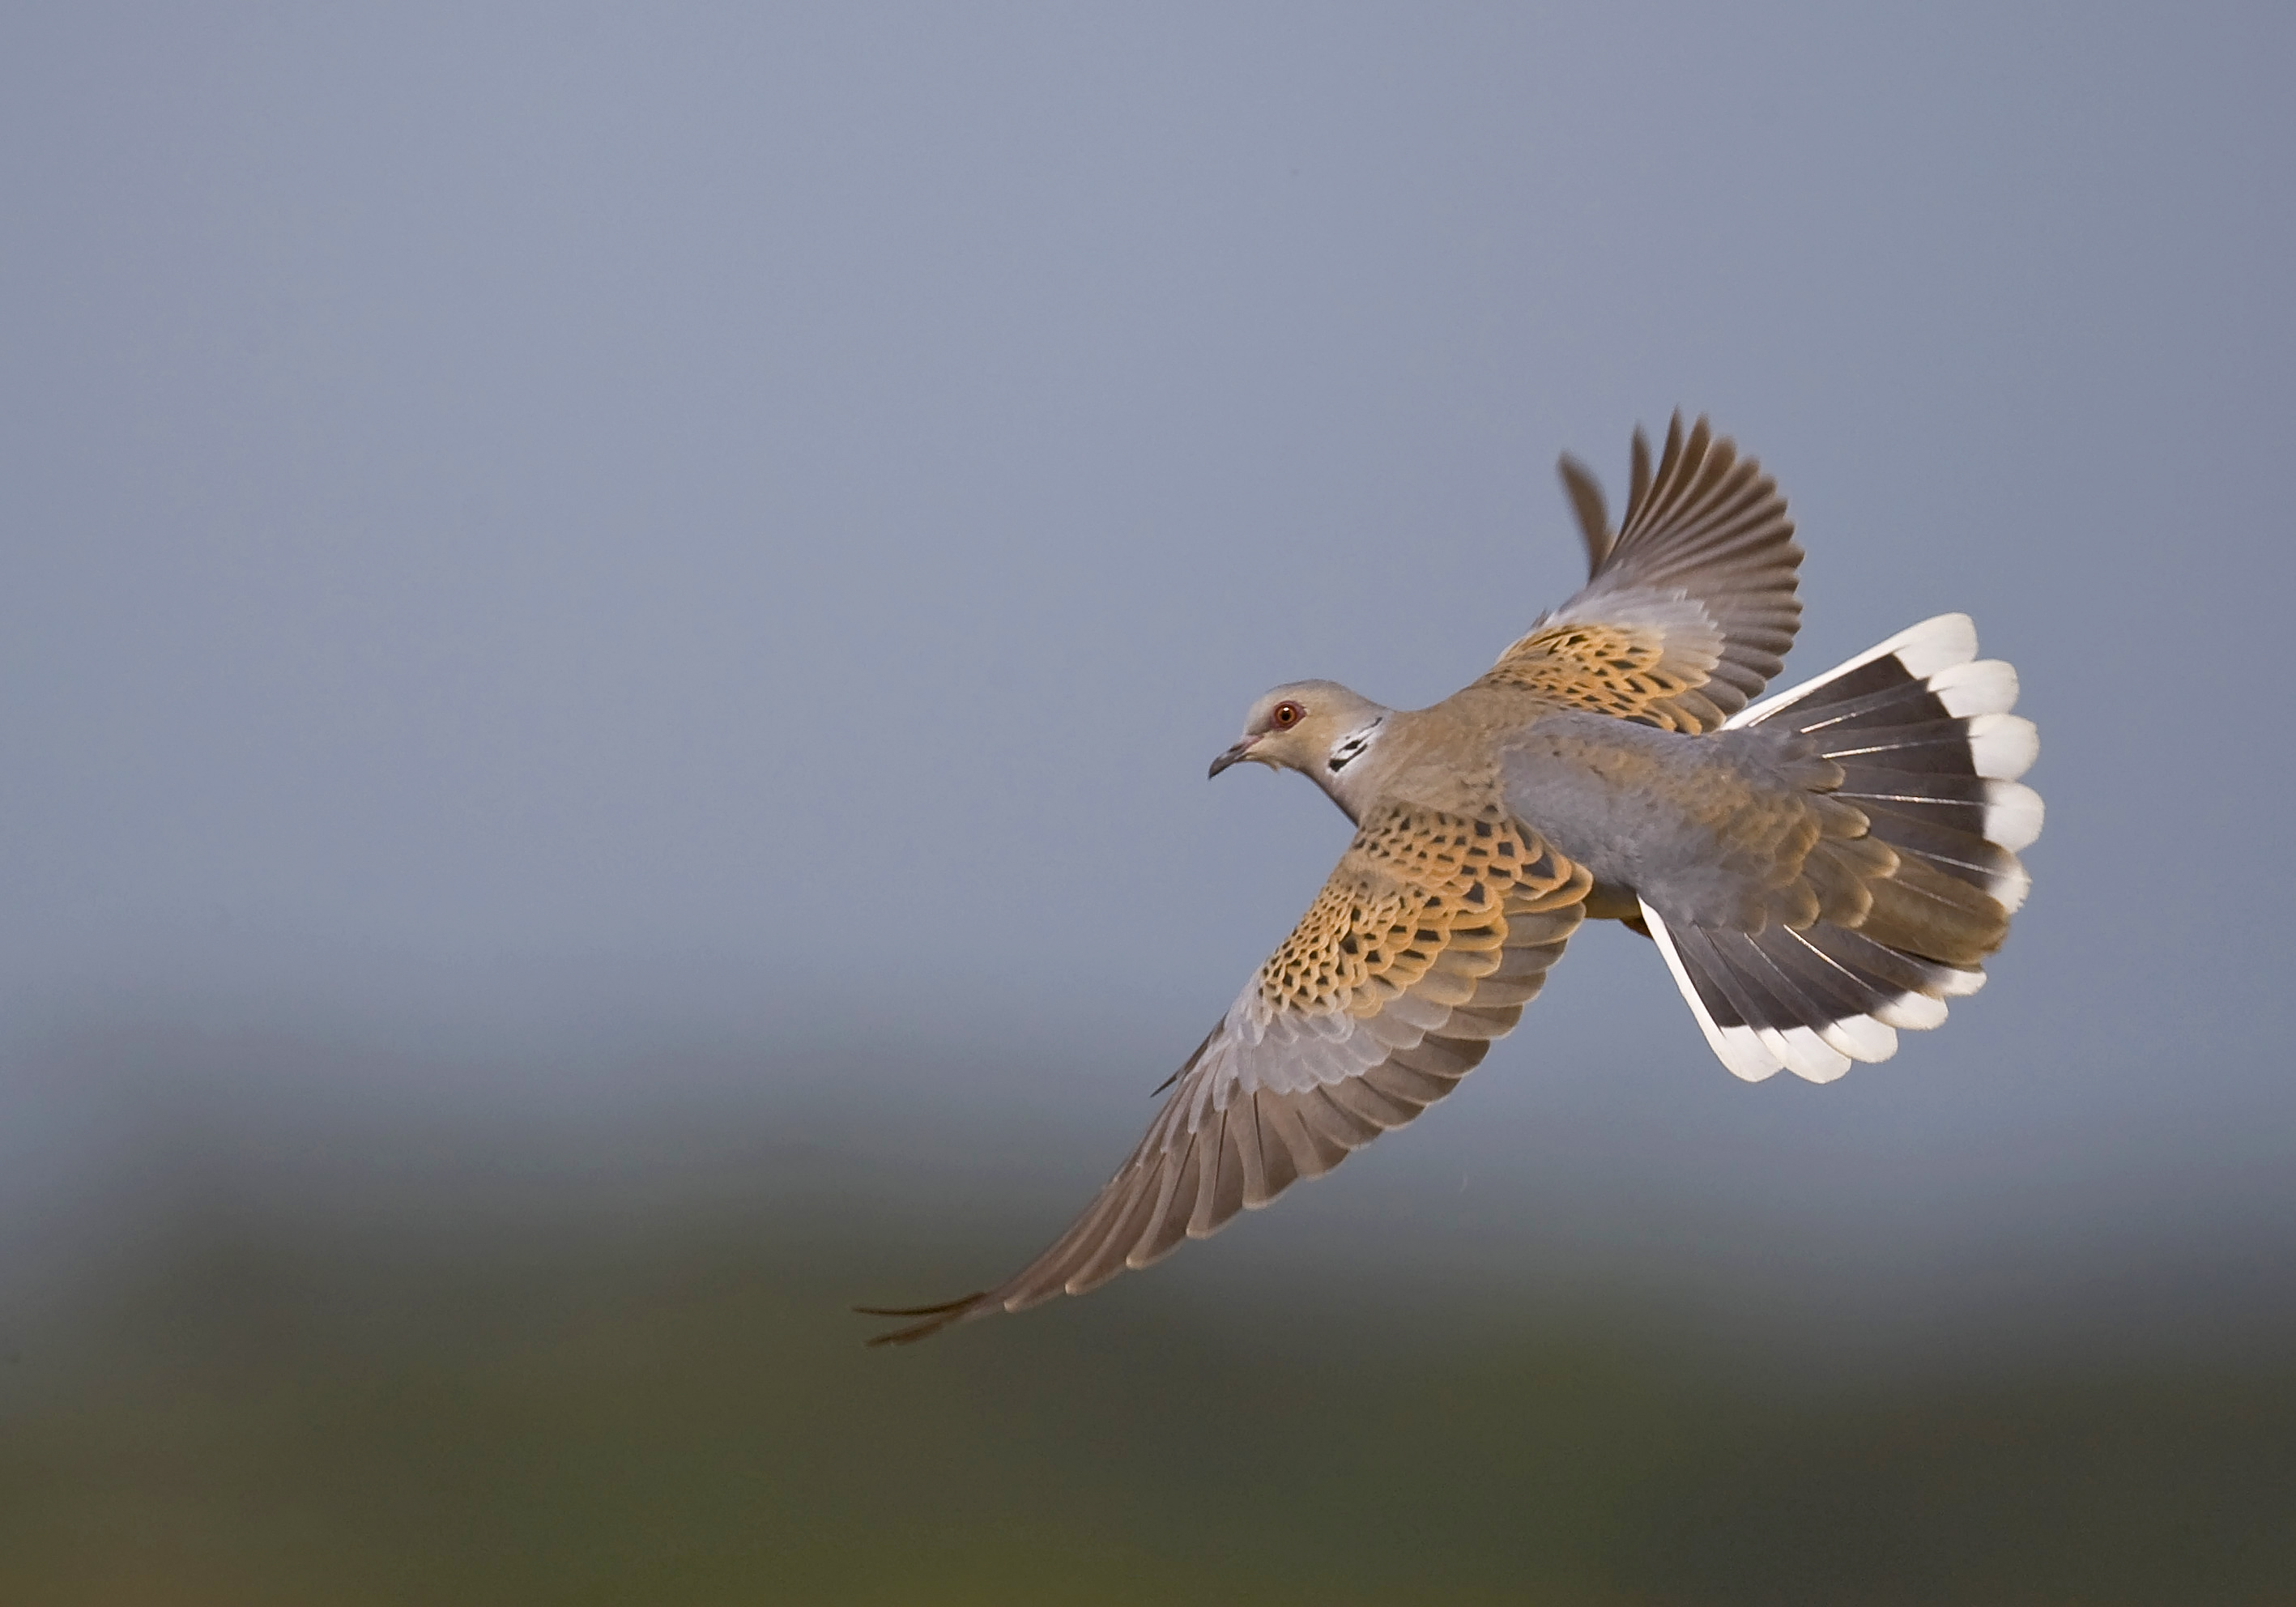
x,y
1820,869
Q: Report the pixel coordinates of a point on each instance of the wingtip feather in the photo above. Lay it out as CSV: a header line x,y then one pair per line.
x,y
1586,494
936,1317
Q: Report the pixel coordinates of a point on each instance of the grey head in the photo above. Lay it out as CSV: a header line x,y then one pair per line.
x,y
1318,728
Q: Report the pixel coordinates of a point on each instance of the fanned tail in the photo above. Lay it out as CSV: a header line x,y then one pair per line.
x,y
1929,750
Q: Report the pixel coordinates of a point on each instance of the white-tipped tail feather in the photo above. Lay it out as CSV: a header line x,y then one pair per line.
x,y
1737,1046
1922,651
2012,814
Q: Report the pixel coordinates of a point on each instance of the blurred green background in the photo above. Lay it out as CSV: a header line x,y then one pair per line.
x,y
348,1360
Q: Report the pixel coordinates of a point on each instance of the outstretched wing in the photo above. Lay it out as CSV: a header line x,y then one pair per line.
x,y
1432,933
1688,609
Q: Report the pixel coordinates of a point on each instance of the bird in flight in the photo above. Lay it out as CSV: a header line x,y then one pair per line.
x,y
1819,869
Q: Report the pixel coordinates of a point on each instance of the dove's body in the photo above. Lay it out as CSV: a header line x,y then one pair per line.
x,y
1613,796
1819,869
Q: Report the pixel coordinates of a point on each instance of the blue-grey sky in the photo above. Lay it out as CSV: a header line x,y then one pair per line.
x,y
534,523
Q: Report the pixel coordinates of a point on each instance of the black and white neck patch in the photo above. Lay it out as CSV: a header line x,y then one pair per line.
x,y
1350,747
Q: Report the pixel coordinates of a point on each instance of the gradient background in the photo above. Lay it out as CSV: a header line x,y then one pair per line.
x,y
611,622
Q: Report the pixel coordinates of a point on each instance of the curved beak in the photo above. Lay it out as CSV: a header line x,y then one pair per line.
x,y
1242,750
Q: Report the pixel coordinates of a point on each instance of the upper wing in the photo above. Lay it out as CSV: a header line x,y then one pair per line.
x,y
1689,610
1432,933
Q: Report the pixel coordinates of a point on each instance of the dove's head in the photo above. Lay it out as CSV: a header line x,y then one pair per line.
x,y
1316,728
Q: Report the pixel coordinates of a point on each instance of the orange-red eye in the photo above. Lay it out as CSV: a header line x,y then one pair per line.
x,y
1286,715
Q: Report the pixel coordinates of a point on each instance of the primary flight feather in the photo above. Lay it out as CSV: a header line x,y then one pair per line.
x,y
1819,869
